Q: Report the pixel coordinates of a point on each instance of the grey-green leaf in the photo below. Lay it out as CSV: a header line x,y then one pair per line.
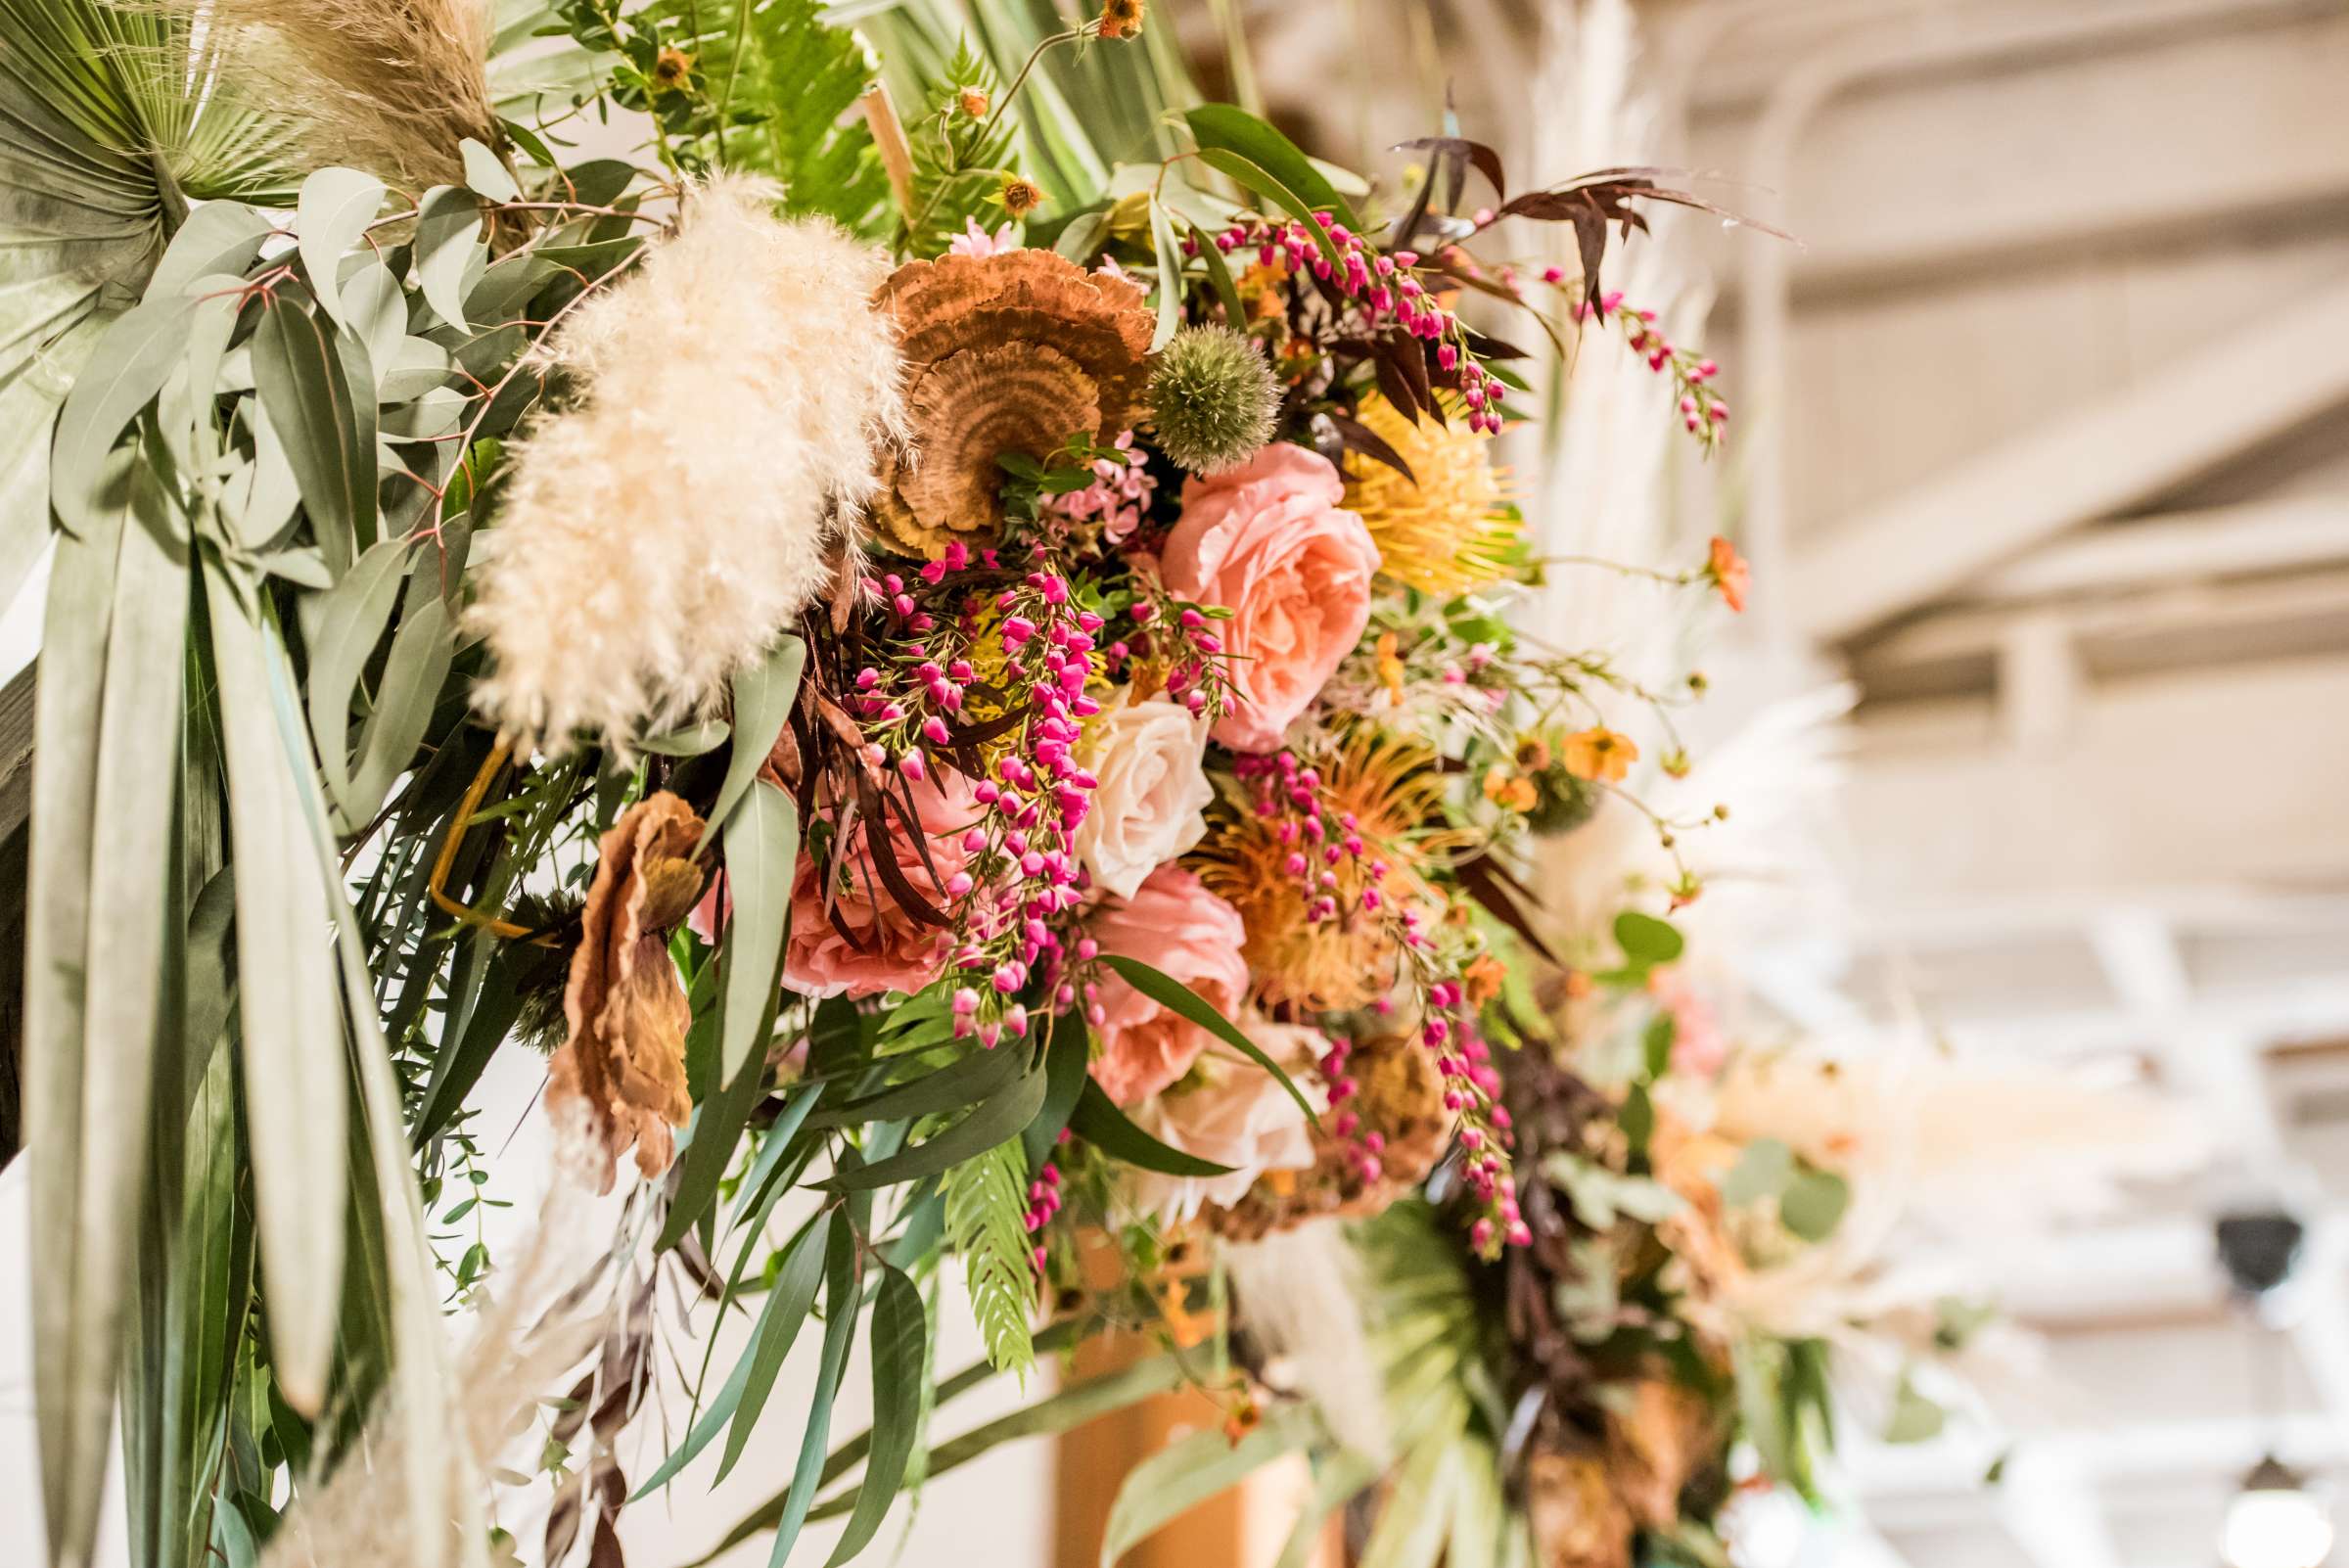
x,y
762,699
485,174
125,372
763,857
299,378
449,230
1177,1479
1168,992
778,1326
217,237
421,650
335,208
294,1076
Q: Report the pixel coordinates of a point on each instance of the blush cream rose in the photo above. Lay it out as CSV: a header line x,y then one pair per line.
x,y
1232,1111
1269,543
1153,790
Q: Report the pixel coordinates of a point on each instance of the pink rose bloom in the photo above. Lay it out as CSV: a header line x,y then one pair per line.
x,y
1175,926
1269,543
1232,1111
898,952
1699,1050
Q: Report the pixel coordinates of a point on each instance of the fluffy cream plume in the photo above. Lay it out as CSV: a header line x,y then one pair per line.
x,y
390,86
728,403
1301,1292
1972,1135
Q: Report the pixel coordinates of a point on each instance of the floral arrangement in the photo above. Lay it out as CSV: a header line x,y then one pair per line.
x,y
951,672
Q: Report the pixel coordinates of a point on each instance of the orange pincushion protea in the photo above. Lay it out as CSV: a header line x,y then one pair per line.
x,y
1392,790
1010,352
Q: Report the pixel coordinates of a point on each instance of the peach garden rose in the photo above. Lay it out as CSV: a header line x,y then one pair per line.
x,y
1269,543
893,951
1175,926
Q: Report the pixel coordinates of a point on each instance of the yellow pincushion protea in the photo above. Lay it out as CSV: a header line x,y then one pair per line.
x,y
1391,789
1449,528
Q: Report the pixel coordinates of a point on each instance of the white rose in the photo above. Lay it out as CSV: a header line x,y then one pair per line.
x,y
1149,757
1232,1111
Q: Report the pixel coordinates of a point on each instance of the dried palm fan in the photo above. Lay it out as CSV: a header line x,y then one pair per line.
x,y
1013,352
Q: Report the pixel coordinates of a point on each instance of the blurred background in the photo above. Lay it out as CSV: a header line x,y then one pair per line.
x,y
2038,445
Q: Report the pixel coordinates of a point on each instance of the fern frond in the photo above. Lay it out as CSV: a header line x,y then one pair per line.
x,y
959,160
987,1223
772,90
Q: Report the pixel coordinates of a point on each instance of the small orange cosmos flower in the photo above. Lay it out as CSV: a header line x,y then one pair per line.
x,y
1599,755
1728,573
1511,792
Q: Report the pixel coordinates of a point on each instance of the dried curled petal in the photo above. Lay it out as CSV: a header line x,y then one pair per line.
x,y
623,1065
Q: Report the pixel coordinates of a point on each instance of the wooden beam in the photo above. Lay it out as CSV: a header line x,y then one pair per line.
x,y
2248,386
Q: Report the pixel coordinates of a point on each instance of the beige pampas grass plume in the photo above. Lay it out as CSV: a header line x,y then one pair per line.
x,y
725,408
390,86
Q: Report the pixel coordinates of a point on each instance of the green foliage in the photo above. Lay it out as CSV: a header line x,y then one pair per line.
x,y
987,1207
763,87
959,160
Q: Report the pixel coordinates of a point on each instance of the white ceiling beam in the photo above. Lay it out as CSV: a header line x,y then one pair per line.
x,y
2048,1504
2250,385
2255,537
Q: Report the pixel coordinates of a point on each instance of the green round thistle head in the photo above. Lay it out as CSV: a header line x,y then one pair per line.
x,y
1214,399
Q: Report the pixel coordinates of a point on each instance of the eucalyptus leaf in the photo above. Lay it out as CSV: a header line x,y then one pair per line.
x,y
992,1121
771,1337
1224,127
1169,276
351,621
787,1309
486,174
695,740
841,1300
763,857
125,370
449,229
1181,1476
306,393
218,237
763,695
1098,1121
335,208
421,650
